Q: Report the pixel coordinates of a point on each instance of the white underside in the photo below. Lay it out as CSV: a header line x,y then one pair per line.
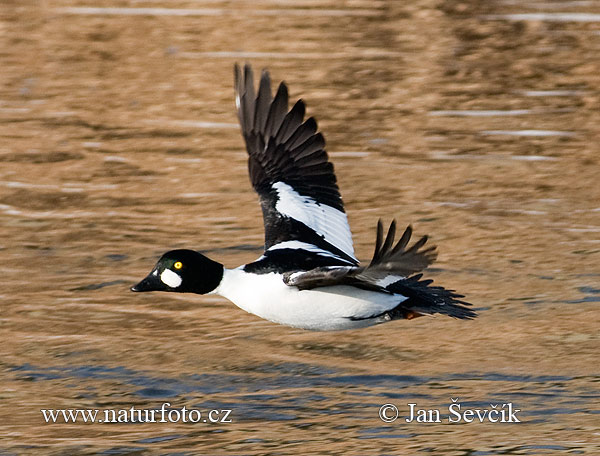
x,y
324,309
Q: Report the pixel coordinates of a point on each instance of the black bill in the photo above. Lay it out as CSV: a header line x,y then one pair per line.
x,y
150,283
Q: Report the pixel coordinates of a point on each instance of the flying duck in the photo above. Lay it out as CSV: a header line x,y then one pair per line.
x,y
308,276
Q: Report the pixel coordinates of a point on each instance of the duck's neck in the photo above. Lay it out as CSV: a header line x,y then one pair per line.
x,y
226,283
210,277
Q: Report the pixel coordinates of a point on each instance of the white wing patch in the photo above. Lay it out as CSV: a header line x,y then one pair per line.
x,y
297,245
389,280
321,218
170,278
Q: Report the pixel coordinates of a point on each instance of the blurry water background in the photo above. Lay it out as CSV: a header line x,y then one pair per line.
x,y
475,121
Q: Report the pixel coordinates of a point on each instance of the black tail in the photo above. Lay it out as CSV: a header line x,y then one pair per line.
x,y
425,299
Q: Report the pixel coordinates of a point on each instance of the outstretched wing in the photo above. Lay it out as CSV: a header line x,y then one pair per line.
x,y
390,264
393,262
290,170
391,271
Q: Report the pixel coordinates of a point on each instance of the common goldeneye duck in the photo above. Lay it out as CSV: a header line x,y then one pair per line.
x,y
308,276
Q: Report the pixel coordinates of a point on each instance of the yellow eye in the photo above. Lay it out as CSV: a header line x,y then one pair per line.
x,y
178,265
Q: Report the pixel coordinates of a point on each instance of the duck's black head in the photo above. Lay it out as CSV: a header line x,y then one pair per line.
x,y
183,271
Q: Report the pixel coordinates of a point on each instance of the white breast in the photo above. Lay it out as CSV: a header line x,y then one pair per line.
x,y
326,308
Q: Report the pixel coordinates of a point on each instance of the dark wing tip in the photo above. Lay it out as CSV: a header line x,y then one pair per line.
x,y
389,239
398,258
244,96
263,102
282,147
403,242
378,242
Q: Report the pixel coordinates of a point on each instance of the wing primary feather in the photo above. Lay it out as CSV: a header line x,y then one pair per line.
x,y
239,94
302,134
389,239
313,144
403,242
277,111
248,98
237,85
378,242
291,122
247,112
263,102
417,245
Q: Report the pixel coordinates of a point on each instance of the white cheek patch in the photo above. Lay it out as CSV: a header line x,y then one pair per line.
x,y
170,278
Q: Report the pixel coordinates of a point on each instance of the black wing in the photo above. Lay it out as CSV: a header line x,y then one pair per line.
x,y
397,261
390,263
290,170
389,272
